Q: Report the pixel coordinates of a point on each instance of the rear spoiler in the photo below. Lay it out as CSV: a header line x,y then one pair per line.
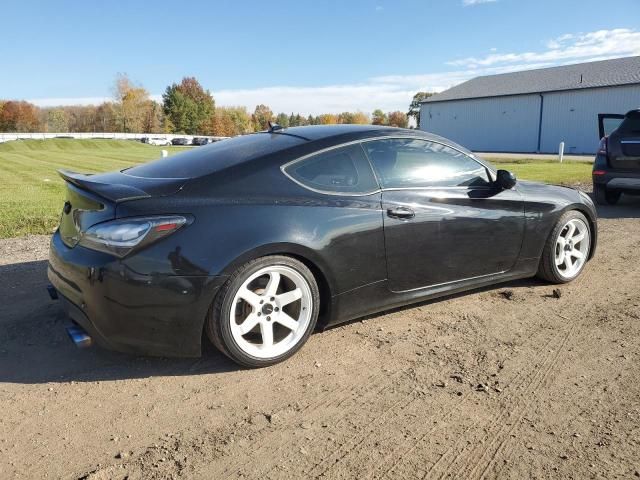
x,y
118,187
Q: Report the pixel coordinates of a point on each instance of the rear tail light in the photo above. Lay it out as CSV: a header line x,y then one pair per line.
x,y
603,147
120,237
601,162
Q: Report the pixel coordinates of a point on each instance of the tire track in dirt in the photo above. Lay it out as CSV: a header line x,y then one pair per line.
x,y
523,403
354,444
427,434
315,413
499,438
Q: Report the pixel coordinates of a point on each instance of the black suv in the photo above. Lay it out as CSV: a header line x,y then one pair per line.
x,y
617,166
180,141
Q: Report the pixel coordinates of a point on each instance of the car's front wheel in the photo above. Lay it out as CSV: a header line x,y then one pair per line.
x,y
265,312
567,249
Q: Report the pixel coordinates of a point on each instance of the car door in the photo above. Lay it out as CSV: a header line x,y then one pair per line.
x,y
444,218
607,123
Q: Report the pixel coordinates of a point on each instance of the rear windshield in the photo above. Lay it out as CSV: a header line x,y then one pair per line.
x,y
631,123
217,156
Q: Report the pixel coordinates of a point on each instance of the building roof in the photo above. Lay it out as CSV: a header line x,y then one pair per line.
x,y
604,73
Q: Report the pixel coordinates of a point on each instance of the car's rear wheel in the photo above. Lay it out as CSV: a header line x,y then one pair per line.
x,y
604,196
265,312
567,249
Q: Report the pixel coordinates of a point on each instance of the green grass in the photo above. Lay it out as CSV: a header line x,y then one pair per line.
x,y
566,173
32,193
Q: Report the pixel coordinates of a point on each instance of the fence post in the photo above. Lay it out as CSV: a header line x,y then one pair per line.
x,y
561,151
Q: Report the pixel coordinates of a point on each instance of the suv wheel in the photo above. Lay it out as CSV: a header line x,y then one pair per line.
x,y
265,312
604,196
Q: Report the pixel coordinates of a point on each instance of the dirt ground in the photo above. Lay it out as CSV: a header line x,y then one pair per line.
x,y
509,382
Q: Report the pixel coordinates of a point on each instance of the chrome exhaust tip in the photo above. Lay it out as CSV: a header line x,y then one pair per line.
x,y
79,337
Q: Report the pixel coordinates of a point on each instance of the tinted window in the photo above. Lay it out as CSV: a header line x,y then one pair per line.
x,y
420,163
344,169
631,123
610,124
217,156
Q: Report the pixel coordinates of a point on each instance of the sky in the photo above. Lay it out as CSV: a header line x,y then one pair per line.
x,y
297,55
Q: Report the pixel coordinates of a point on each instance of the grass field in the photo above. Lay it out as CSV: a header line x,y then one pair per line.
x,y
548,171
31,192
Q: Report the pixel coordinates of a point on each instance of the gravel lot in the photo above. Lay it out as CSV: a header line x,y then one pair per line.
x,y
509,382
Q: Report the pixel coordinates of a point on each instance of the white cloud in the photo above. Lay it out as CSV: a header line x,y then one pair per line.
x,y
394,92
568,48
471,3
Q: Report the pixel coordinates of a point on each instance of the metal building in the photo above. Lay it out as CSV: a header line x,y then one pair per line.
x,y
535,110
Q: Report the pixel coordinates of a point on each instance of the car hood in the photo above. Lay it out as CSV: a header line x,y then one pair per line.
x,y
539,188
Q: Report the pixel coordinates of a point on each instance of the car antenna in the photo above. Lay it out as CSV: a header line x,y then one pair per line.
x,y
274,127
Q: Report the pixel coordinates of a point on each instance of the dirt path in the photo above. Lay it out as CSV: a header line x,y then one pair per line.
x,y
508,382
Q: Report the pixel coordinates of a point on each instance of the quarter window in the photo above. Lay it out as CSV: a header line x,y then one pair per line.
x,y
344,169
420,163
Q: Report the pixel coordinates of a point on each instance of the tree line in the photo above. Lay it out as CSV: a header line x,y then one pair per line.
x,y
186,108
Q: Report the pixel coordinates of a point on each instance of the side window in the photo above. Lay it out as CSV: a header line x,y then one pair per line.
x,y
420,163
344,169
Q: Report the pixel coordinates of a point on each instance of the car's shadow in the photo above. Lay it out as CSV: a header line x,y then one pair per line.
x,y
34,347
627,207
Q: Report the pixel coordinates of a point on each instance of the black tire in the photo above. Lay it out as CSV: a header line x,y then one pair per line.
x,y
547,269
218,325
604,196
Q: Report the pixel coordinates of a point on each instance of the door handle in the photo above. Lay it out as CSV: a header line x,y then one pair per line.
x,y
401,212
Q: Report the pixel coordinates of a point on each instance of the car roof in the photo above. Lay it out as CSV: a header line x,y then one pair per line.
x,y
286,142
319,132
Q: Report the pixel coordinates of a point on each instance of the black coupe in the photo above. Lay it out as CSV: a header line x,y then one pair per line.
x,y
259,239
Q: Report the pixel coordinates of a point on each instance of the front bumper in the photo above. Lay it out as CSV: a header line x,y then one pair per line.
x,y
154,314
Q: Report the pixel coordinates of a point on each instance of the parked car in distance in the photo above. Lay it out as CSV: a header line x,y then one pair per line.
x,y
616,169
180,141
159,141
200,141
259,239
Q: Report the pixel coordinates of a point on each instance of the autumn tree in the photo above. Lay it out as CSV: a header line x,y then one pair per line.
x,y
398,119
106,118
188,106
416,103
131,104
222,124
241,120
57,120
378,117
154,118
327,119
353,117
262,115
283,120
19,116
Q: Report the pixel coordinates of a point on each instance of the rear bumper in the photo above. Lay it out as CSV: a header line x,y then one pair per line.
x,y
127,311
620,180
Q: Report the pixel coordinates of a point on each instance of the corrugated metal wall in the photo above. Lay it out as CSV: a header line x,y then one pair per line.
x,y
510,124
500,124
572,117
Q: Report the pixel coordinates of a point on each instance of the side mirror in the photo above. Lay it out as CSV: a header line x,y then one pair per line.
x,y
505,179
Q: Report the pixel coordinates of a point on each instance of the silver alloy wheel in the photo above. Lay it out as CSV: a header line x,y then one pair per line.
x,y
572,248
271,313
